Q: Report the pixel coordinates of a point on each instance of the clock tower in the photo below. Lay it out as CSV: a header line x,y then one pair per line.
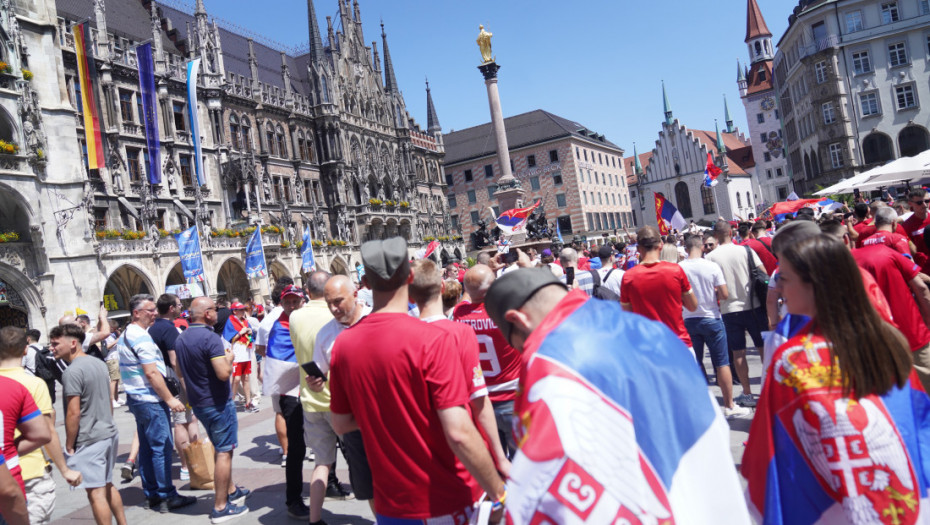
x,y
758,95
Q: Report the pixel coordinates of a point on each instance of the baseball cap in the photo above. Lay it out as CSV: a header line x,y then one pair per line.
x,y
605,251
237,306
384,257
512,290
291,289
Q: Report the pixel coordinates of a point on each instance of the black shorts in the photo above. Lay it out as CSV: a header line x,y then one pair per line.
x,y
359,471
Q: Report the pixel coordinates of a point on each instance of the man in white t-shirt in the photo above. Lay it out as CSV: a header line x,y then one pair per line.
x,y
610,277
704,325
741,313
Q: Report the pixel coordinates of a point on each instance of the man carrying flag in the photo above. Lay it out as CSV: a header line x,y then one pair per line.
x,y
593,435
511,222
711,171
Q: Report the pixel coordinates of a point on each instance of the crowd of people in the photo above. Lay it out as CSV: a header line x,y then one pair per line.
x,y
561,386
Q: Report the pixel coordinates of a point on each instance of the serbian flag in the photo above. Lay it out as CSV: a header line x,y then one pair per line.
x,y
780,210
711,171
597,445
280,373
90,103
814,456
430,248
512,221
233,326
668,216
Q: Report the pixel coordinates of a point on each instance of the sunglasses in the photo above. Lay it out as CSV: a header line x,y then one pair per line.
x,y
925,201
709,245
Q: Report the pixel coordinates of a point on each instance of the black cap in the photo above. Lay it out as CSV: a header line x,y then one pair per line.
x,y
605,251
513,290
383,258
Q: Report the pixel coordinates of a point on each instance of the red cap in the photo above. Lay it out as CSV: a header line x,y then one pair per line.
x,y
237,306
292,290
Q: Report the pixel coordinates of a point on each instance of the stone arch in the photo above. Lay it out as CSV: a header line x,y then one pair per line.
x,y
176,275
231,280
815,164
445,257
338,266
683,198
392,229
808,173
277,269
458,254
405,229
388,188
9,131
913,140
281,141
877,147
22,300
127,280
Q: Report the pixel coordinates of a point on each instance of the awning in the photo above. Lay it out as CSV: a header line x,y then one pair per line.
x,y
130,209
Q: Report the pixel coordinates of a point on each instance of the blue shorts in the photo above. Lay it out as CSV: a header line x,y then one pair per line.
x,y
221,424
711,332
738,323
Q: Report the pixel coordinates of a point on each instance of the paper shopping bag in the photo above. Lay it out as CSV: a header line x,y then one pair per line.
x,y
200,464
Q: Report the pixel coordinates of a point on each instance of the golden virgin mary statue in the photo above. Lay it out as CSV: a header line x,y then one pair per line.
x,y
484,44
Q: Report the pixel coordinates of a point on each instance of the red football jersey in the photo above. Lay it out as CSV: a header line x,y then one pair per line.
x,y
500,362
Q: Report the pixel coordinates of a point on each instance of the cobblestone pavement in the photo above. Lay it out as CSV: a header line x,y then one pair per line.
x,y
257,466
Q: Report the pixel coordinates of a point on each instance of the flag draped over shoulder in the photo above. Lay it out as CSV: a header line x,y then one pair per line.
x,y
598,446
150,110
816,456
90,103
280,373
512,221
233,326
711,172
668,216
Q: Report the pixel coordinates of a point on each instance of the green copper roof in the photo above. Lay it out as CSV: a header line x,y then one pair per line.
x,y
666,106
721,147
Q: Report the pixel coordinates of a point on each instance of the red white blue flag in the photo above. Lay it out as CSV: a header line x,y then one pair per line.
x,y
814,456
512,221
668,216
597,445
711,171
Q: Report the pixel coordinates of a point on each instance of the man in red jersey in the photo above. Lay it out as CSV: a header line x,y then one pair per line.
x,y
885,220
898,278
657,289
915,224
499,361
868,227
426,291
425,453
765,253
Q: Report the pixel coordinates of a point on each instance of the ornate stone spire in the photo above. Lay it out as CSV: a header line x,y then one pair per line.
x,y
316,42
390,81
666,106
637,165
432,118
199,9
721,147
726,115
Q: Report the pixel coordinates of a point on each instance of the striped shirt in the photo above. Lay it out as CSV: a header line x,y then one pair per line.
x,y
131,373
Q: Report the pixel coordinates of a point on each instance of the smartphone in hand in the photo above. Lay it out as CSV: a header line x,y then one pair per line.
x,y
570,275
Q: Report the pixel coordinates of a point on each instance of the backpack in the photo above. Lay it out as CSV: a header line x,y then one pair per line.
x,y
46,369
601,291
758,283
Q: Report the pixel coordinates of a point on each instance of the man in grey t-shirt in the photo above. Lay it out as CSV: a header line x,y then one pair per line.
x,y
91,437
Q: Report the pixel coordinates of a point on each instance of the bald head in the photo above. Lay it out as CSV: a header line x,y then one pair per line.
x,y
478,280
568,257
339,284
316,282
340,295
67,319
199,308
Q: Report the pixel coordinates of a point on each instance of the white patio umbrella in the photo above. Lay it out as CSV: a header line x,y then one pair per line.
x,y
903,169
847,185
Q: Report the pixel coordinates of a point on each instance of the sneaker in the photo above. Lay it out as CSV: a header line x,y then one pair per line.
x,y
251,408
335,490
116,404
299,511
128,471
736,412
238,497
256,399
311,457
156,504
179,501
283,460
745,400
230,512
240,399
185,475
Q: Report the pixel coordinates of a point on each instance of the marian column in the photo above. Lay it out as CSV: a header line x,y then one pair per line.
x,y
509,194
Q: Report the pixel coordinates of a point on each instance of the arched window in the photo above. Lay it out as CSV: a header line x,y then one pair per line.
x,y
683,199
758,48
707,199
877,147
246,135
815,164
269,140
913,140
739,201
282,143
234,132
324,89
807,167
748,200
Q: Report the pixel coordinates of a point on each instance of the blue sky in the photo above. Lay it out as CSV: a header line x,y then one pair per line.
x,y
600,63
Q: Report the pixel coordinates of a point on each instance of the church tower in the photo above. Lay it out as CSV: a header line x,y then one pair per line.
x,y
756,90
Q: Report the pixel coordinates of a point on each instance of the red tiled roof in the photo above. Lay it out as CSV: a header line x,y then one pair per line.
x,y
755,23
755,82
631,177
739,153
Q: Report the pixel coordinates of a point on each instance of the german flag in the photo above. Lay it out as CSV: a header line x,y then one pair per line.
x,y
87,74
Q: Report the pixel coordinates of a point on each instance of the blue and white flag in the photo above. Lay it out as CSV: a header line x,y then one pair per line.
x,y
597,445
255,256
191,257
193,68
150,110
308,264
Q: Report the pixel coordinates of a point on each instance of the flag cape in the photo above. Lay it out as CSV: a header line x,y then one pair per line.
x,y
90,104
667,216
597,445
191,256
430,248
711,171
150,110
280,373
255,256
306,255
193,68
815,456
232,328
512,221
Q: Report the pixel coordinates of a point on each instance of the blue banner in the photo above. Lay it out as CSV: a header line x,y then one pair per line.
x,y
150,110
255,256
191,258
193,68
307,253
